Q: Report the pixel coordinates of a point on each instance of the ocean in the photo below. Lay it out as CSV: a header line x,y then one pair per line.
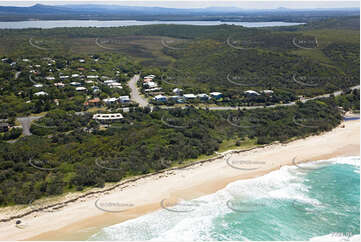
x,y
313,201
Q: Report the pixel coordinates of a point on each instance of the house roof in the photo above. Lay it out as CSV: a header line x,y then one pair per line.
x,y
95,100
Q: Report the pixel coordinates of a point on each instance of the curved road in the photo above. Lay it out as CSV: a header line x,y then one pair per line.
x,y
135,95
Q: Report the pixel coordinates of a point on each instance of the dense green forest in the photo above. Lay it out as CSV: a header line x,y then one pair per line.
x,y
73,152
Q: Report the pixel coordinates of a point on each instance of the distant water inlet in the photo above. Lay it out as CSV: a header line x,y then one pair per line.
x,y
45,24
288,204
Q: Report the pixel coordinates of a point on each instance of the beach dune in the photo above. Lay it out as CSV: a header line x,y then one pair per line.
x,y
86,216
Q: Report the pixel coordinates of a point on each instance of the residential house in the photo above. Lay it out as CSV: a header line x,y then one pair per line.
x,y
80,89
189,96
150,76
177,91
150,84
75,84
251,93
124,99
41,93
59,84
216,95
107,117
50,78
160,98
92,77
93,102
110,100
203,96
268,92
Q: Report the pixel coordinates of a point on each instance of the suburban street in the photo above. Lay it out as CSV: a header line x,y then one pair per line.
x,y
143,102
135,95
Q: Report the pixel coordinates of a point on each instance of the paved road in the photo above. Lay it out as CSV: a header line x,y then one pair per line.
x,y
26,123
337,93
135,95
17,74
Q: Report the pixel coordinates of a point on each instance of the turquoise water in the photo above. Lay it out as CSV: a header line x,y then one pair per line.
x,y
308,202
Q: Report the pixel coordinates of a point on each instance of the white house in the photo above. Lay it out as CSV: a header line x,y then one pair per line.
x,y
150,84
189,96
114,84
59,84
92,77
160,98
80,89
110,100
124,99
177,90
150,76
42,93
75,75
153,89
38,85
75,83
203,96
50,78
109,81
108,117
251,93
268,92
216,95
63,77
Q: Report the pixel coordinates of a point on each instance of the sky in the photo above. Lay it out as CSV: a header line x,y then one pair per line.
x,y
292,4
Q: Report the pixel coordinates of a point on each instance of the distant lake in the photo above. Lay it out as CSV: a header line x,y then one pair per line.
x,y
44,24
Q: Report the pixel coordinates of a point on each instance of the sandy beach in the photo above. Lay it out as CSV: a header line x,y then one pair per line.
x,y
86,216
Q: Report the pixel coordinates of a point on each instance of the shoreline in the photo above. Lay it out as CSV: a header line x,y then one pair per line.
x,y
80,219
